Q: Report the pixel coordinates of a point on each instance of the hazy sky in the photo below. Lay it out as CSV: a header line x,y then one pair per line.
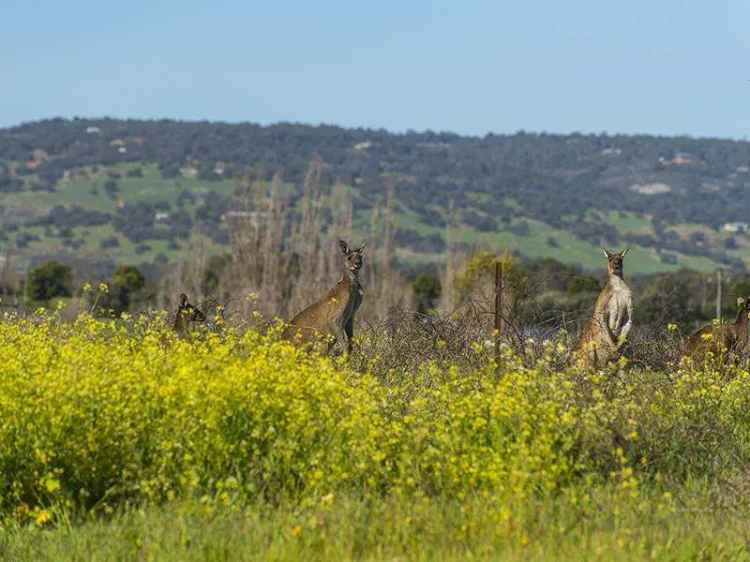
x,y
656,66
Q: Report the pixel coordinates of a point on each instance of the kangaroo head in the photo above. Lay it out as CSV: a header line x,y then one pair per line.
x,y
187,310
614,261
353,257
743,303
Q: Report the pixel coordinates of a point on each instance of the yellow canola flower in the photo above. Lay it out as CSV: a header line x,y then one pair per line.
x,y
99,410
43,516
52,485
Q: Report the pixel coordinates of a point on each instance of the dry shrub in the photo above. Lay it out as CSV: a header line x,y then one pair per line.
x,y
654,347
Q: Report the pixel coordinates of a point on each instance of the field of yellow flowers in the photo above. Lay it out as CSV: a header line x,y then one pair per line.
x,y
120,439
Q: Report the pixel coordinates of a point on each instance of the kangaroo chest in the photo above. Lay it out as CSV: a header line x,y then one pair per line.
x,y
355,299
347,299
619,305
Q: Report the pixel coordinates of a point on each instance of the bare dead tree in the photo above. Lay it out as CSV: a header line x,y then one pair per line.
x,y
186,276
273,264
9,279
452,258
283,253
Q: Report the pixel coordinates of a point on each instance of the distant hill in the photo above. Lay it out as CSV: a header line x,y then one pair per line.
x,y
114,191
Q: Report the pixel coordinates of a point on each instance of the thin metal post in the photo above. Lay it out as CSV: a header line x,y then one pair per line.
x,y
498,307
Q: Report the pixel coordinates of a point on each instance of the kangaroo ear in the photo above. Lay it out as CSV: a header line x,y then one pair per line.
x,y
625,251
740,301
607,253
344,247
361,248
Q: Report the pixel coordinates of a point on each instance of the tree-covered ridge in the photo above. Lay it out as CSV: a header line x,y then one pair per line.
x,y
670,194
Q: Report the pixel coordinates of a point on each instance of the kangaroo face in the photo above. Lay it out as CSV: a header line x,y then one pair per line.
x,y
353,258
615,261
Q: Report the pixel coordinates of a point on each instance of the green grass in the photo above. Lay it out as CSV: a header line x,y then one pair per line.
x,y
89,192
340,528
630,223
124,253
408,219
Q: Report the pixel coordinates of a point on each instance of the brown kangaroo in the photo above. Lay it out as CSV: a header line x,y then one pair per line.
x,y
333,315
732,338
608,329
186,315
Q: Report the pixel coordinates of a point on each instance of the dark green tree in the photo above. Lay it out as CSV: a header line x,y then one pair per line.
x,y
427,291
666,300
215,268
48,281
741,289
583,284
123,290
127,282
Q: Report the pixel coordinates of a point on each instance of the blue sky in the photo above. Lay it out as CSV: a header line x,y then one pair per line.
x,y
659,66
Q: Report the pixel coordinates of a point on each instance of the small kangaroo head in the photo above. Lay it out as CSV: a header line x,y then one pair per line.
x,y
614,261
188,311
353,257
